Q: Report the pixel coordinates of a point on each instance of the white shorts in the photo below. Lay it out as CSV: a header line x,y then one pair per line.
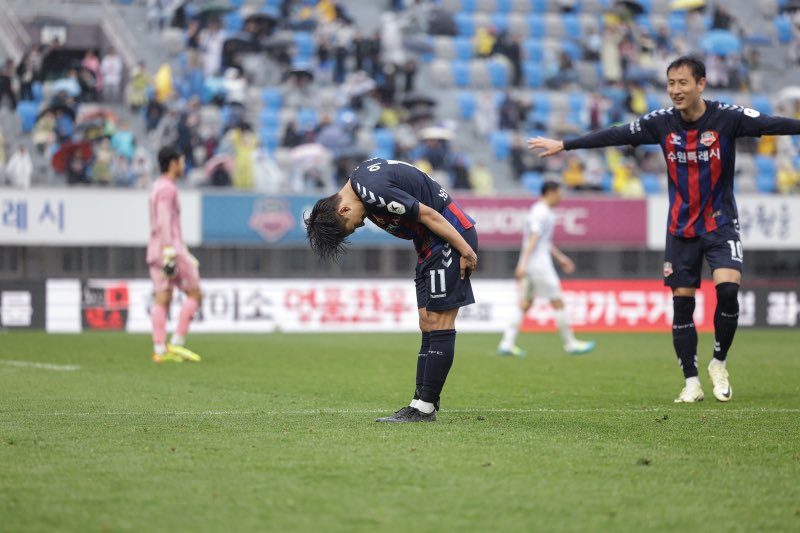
x,y
541,283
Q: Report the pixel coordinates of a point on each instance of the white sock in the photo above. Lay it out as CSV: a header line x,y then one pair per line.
x,y
425,407
510,333
160,349
693,380
563,326
177,340
413,404
715,361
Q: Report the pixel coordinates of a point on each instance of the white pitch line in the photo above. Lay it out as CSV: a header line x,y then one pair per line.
x,y
475,411
42,366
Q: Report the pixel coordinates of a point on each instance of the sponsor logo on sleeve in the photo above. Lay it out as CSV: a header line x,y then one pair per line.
x,y
396,207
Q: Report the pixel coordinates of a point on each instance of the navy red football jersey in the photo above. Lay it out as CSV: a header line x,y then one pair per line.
x,y
700,156
392,191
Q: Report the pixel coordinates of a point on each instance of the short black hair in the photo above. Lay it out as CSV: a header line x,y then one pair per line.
x,y
167,155
326,230
550,185
694,63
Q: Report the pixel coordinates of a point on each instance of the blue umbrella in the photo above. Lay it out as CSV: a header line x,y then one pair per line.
x,y
721,42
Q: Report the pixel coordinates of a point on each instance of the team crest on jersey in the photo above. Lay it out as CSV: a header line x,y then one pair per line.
x,y
708,138
674,138
667,269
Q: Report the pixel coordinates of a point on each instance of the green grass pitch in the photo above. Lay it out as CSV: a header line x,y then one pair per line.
x,y
276,433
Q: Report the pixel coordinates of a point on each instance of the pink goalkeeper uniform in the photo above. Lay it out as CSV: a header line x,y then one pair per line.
x,y
165,230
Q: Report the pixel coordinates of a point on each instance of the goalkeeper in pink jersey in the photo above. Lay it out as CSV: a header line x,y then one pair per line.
x,y
171,265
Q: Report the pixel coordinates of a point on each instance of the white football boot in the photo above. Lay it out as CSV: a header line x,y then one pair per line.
x,y
719,377
691,393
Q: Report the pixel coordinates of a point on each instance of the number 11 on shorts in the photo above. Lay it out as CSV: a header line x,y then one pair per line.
x,y
443,285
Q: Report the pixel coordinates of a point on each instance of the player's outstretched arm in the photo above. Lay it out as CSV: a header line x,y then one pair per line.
x,y
550,146
434,221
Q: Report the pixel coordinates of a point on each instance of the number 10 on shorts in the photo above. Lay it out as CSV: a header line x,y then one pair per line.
x,y
737,254
442,284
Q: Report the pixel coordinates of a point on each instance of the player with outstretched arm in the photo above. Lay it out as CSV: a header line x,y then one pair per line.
x,y
698,139
407,203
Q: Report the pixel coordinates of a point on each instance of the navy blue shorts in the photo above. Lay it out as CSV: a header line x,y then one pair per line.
x,y
683,257
438,279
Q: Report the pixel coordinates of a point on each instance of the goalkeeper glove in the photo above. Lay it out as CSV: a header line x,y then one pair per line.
x,y
168,265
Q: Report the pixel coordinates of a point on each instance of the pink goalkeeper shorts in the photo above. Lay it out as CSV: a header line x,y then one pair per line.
x,y
187,278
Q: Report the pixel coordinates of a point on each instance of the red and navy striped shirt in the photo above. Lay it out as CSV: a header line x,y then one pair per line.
x,y
392,190
700,156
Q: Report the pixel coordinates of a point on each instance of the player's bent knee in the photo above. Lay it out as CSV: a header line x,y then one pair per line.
x,y
728,295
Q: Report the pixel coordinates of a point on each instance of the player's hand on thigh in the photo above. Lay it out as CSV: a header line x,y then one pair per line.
x,y
468,264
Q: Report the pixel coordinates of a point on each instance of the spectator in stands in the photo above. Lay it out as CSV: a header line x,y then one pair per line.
x,y
188,131
54,61
101,172
65,126
7,85
480,179
44,132
565,74
244,143
572,175
111,69
509,47
512,114
77,169
121,174
136,92
211,40
610,53
2,150
193,54
123,141
141,168
156,15
484,42
20,168
26,76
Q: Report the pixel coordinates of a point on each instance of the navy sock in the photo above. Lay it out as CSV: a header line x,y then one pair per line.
x,y
684,334
726,318
437,364
422,357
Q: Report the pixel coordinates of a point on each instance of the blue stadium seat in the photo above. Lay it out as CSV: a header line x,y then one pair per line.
x,y
577,101
233,21
783,25
469,6
534,49
465,24
36,89
536,25
307,118
384,143
653,101
500,22
236,3
651,183
572,25
644,22
572,49
541,101
533,182
534,74
503,6
766,183
460,73
197,82
464,48
539,6
466,104
269,139
765,165
498,74
271,98
646,5
500,142
27,111
305,45
676,22
270,118
761,103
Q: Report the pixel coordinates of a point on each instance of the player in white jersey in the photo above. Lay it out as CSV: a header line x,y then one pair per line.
x,y
537,274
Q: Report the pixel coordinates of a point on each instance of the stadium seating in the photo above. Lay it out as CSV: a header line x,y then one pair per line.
x,y
384,143
271,97
501,144
766,173
464,48
783,26
498,74
27,111
533,74
466,104
761,103
533,181
461,73
651,183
